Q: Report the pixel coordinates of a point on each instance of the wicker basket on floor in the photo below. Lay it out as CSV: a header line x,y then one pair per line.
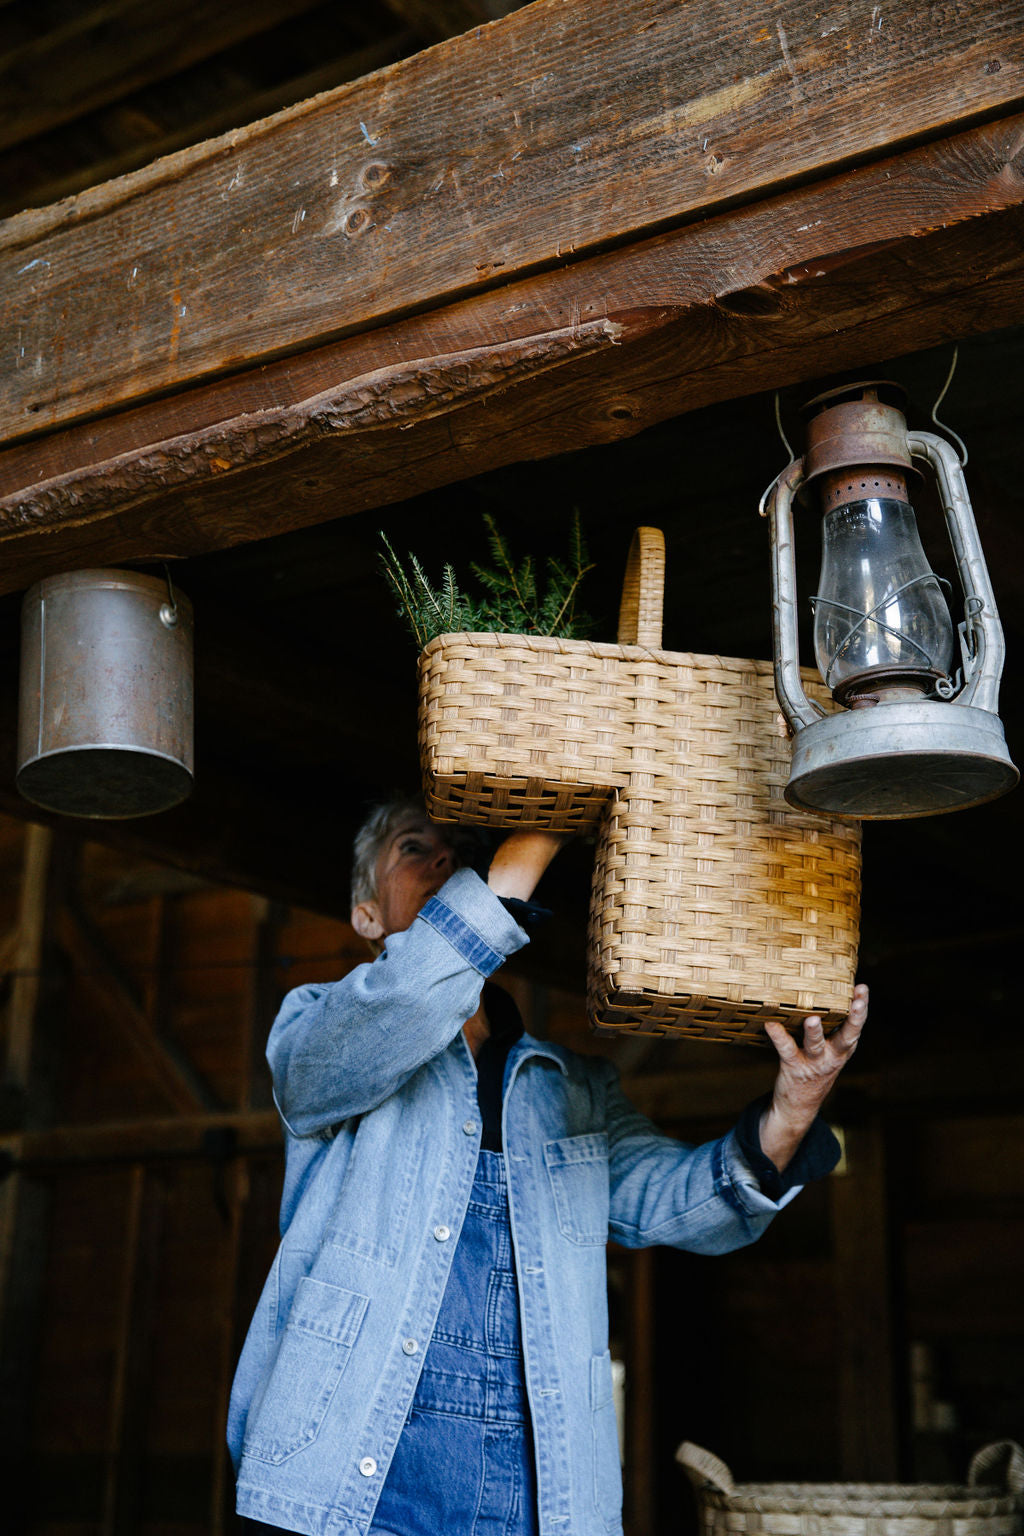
x,y
991,1505
716,906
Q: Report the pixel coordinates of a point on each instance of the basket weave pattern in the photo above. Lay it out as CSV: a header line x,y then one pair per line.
x,y
715,905
520,730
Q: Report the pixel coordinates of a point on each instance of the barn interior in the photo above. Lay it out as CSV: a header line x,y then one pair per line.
x,y
845,204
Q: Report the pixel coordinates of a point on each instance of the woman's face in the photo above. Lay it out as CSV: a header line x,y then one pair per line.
x,y
412,866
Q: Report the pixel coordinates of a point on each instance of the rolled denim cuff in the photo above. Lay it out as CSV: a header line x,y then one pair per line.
x,y
816,1155
473,920
738,1184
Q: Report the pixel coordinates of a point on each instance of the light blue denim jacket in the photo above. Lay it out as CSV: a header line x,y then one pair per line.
x,y
377,1091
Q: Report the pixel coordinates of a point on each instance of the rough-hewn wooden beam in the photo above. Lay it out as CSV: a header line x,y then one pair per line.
x,y
892,258
21,182
130,1141
565,127
435,20
99,52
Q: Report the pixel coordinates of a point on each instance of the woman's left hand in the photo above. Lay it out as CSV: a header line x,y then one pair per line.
x,y
806,1076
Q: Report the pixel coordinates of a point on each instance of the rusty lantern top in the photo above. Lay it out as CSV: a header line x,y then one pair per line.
x,y
853,429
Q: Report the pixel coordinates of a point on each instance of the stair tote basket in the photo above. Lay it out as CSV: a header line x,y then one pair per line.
x,y
991,1504
715,905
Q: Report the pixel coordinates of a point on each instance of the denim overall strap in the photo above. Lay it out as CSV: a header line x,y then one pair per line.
x,y
464,1461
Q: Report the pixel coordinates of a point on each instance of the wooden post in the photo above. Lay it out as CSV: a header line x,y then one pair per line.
x,y
24,1204
639,1470
868,1437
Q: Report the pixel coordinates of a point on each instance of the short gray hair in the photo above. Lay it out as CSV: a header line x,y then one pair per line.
x,y
377,827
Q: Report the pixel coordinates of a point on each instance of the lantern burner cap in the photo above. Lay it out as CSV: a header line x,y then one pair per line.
x,y
883,685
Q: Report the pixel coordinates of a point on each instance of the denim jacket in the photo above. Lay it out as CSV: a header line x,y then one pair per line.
x,y
377,1091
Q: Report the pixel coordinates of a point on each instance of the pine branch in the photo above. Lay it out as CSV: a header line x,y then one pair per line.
x,y
512,602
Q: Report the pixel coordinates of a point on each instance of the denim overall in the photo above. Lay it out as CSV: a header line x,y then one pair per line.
x,y
464,1461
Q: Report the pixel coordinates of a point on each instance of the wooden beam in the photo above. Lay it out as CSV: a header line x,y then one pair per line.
x,y
907,1087
868,1433
20,177
565,127
27,956
109,992
100,52
894,257
131,1141
435,20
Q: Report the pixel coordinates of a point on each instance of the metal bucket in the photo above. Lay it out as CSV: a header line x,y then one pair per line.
x,y
105,708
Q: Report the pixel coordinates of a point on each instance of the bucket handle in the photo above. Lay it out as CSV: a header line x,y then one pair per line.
x,y
643,590
991,1457
702,1467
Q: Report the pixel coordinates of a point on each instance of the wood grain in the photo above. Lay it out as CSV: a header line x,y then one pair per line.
x,y
924,247
567,126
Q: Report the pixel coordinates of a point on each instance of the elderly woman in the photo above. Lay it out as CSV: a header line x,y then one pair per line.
x,y
430,1352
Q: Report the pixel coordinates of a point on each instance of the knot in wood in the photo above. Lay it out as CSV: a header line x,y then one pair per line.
x,y
357,222
375,175
624,410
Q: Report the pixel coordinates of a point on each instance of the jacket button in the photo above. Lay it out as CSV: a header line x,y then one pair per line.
x,y
470,1127
367,1466
442,1233
410,1346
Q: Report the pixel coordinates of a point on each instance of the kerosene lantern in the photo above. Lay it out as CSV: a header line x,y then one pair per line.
x,y
916,731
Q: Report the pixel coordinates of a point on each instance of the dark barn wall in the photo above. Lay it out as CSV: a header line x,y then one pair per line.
x,y
141,1205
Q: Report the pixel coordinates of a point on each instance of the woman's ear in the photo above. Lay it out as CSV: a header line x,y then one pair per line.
x,y
366,921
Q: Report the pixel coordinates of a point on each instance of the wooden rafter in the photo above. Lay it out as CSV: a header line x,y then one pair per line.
x,y
914,250
113,996
566,126
97,53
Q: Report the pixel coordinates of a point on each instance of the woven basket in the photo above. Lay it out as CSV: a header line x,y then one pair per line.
x,y
984,1508
530,731
716,906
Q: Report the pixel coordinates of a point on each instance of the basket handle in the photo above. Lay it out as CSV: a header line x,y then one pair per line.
x,y
702,1467
643,590
992,1456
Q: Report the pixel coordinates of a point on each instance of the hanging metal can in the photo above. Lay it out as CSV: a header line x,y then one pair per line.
x,y
105,706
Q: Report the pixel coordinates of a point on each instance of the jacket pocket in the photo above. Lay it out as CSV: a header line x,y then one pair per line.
x,y
578,1174
314,1350
607,1470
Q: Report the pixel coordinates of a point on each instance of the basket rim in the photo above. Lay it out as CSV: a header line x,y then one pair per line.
x,y
846,1496
602,648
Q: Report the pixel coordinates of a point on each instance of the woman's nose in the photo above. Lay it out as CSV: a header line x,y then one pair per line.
x,y
445,858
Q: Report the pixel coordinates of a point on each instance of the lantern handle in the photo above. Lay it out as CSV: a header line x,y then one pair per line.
x,y
798,709
985,648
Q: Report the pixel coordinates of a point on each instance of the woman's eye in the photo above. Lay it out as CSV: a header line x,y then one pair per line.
x,y
412,845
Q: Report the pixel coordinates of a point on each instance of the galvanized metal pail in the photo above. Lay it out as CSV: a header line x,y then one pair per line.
x,y
105,707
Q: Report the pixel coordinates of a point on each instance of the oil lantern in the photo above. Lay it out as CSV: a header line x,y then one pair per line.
x,y
915,729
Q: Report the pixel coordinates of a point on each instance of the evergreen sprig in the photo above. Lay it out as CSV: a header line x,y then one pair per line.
x,y
513,600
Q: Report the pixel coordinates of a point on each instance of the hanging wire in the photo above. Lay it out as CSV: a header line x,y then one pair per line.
x,y
785,441
961,446
778,423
